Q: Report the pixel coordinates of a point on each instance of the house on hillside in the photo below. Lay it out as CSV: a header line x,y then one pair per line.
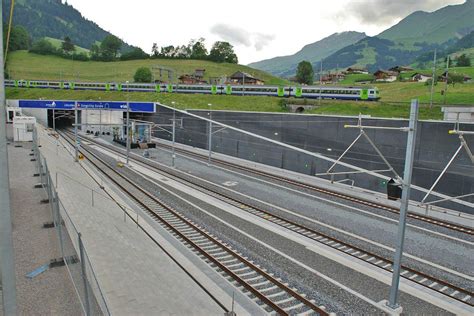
x,y
385,76
401,69
196,78
466,78
354,70
241,77
419,77
199,74
330,78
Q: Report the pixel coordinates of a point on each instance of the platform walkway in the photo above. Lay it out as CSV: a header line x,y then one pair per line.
x,y
135,275
51,292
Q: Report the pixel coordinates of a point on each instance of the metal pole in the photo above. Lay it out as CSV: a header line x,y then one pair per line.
x,y
128,132
210,135
54,120
410,153
76,139
173,155
100,121
447,78
320,82
433,79
7,265
84,275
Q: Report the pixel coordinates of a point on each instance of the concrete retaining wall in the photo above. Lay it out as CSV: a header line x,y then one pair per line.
x,y
327,135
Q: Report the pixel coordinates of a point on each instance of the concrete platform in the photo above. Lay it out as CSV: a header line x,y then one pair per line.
x,y
136,276
52,292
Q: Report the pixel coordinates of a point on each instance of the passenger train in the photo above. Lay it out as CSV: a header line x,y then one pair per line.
x,y
315,92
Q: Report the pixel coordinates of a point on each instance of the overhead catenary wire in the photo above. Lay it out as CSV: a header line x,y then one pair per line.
x,y
7,44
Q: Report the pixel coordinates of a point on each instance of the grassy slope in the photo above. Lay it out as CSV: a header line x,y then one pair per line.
x,y
33,66
23,65
57,44
394,92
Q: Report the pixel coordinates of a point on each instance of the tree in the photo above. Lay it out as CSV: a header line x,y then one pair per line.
x,y
463,61
454,78
95,52
19,38
143,74
167,52
67,45
223,52
134,54
305,72
198,49
43,47
155,52
110,47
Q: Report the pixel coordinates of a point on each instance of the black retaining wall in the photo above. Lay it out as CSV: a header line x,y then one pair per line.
x,y
327,135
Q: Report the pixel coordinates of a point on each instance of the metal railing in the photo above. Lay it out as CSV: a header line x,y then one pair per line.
x,y
73,251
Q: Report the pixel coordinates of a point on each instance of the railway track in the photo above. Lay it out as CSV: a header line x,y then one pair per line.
x,y
433,283
270,292
298,184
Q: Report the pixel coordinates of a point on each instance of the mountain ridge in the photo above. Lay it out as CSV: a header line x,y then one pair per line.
x,y
286,65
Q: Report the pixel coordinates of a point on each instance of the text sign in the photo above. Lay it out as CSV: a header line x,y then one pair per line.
x,y
88,105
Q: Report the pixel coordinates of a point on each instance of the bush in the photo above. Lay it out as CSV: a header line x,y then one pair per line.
x,y
43,47
134,54
143,74
81,56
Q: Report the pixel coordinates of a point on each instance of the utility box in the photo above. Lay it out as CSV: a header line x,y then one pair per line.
x,y
394,190
23,127
12,112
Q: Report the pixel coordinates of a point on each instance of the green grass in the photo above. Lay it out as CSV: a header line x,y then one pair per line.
x,y
57,44
232,103
377,109
183,101
355,78
23,65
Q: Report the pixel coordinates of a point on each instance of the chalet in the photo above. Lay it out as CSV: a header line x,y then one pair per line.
x,y
419,77
329,78
190,79
196,78
241,77
466,78
401,69
353,70
199,73
385,76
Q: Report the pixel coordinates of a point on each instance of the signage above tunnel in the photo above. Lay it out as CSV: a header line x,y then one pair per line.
x,y
145,107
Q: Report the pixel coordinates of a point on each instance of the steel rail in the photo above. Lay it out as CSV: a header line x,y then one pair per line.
x,y
445,224
455,292
237,278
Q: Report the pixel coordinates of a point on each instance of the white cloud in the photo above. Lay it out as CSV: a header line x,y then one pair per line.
x,y
239,36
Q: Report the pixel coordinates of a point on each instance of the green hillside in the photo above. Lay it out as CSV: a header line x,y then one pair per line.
x,y
57,44
285,66
451,22
55,19
24,65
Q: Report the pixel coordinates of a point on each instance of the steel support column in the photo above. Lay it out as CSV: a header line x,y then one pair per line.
x,y
406,182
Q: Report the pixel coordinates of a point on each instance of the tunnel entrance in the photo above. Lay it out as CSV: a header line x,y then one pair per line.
x,y
299,109
63,118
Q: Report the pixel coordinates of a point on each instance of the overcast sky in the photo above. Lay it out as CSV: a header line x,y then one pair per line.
x,y
258,29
